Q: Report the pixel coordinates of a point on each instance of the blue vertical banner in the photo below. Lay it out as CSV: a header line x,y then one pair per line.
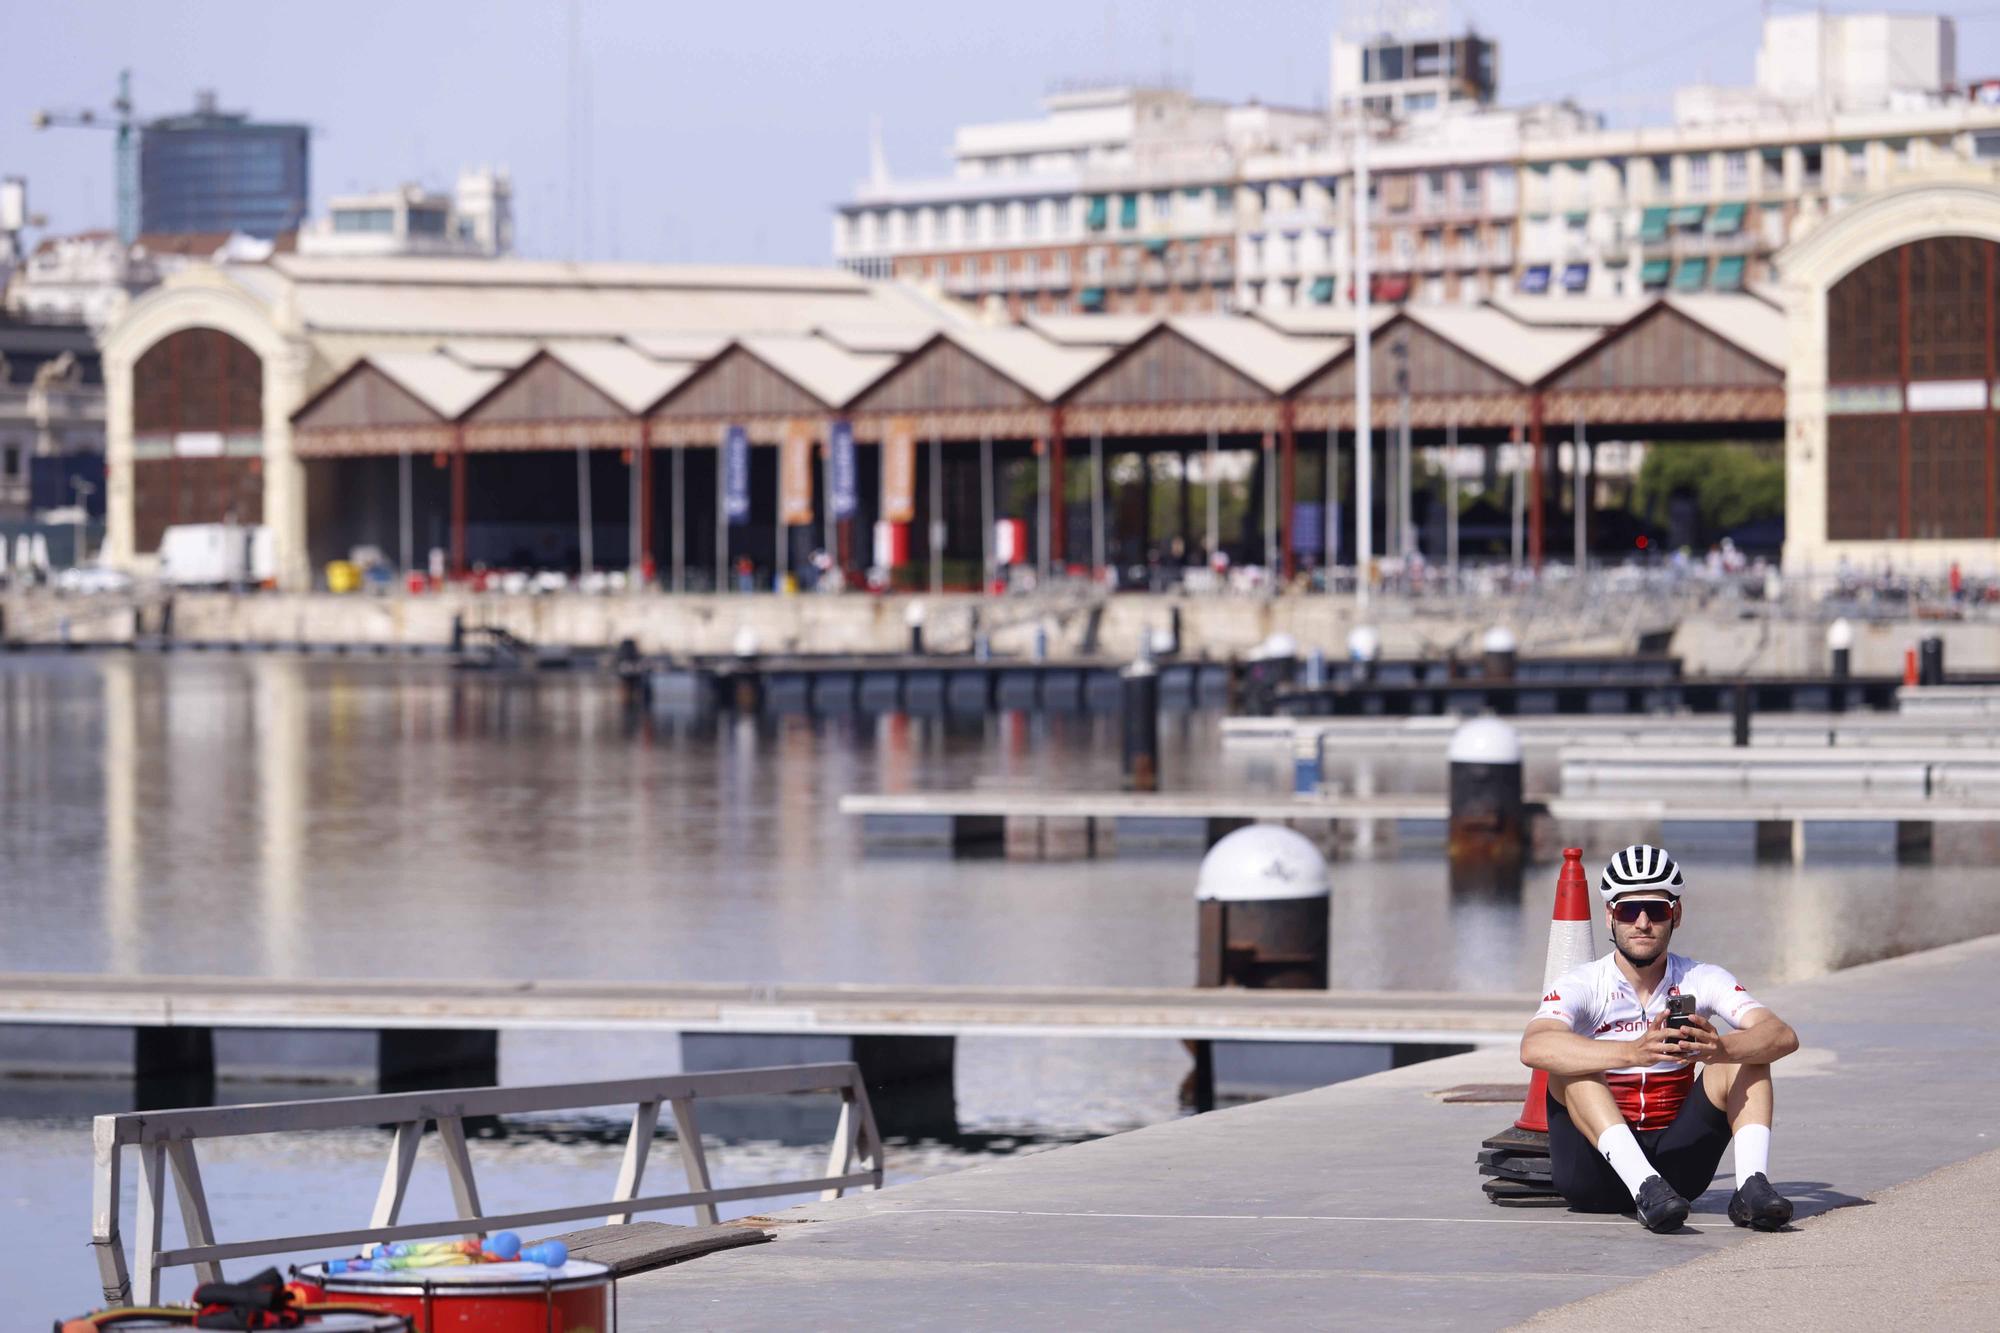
x,y
1308,530
843,488
736,475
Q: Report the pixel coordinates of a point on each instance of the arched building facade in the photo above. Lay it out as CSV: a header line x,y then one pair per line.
x,y
1892,385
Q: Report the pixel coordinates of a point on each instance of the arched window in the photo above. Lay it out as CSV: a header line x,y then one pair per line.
x,y
1911,375
197,434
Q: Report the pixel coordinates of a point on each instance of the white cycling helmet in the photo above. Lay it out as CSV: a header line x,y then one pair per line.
x,y
1638,868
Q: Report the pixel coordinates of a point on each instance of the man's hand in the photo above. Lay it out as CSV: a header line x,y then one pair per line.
x,y
1695,1041
1699,1041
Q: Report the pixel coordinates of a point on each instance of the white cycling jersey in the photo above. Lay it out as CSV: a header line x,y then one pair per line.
x,y
1597,1001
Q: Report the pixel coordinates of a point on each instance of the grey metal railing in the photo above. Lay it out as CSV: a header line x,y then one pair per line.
x,y
166,1143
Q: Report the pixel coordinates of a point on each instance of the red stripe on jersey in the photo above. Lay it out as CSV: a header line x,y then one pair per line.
x,y
1651,1101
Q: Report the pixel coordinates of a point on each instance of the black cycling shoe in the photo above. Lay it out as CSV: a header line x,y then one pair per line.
x,y
1756,1204
1660,1208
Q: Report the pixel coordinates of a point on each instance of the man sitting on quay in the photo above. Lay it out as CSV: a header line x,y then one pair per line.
x,y
1630,1124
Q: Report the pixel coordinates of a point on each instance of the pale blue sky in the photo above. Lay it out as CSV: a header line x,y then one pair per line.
x,y
725,131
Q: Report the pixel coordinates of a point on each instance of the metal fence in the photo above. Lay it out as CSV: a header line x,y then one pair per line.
x,y
166,1142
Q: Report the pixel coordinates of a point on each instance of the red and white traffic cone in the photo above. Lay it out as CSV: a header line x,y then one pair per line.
x,y
1571,944
1516,1160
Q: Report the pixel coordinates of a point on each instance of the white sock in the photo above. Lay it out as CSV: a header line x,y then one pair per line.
x,y
1626,1157
1753,1151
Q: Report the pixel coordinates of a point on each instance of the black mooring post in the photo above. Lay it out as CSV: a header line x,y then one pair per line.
x,y
1139,690
1739,702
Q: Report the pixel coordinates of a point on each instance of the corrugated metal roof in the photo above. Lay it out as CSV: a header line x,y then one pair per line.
x,y
1091,330
490,353
1574,312
678,346
1750,322
826,370
439,382
580,312
630,378
1520,351
878,338
1275,359
1321,320
497,274
1044,368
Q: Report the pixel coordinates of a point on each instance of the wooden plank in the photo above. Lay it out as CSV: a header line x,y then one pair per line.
x,y
640,1247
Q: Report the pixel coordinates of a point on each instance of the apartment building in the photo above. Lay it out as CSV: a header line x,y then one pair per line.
x,y
1152,201
476,220
1118,199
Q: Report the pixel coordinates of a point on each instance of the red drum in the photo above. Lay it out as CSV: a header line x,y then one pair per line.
x,y
481,1298
338,1321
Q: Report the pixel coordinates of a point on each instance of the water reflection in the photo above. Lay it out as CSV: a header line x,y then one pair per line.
x,y
293,817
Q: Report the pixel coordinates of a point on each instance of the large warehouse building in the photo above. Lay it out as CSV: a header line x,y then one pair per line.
x,y
688,420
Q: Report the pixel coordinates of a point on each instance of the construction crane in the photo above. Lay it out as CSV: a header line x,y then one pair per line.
x,y
119,119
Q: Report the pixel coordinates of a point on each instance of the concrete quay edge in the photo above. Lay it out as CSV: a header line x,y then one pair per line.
x,y
1357,1204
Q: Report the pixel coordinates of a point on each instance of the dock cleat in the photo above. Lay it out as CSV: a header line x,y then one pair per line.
x,y
1661,1209
1757,1204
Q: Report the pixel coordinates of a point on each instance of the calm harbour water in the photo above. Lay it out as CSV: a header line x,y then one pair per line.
x,y
303,818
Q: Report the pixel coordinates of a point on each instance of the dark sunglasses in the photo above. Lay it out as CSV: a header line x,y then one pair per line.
x,y
1653,909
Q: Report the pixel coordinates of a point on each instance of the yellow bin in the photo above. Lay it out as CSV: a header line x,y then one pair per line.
x,y
342,576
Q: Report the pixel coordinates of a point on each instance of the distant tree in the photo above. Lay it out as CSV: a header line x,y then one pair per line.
x,y
1730,484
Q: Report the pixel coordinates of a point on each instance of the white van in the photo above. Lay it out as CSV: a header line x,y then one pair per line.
x,y
216,555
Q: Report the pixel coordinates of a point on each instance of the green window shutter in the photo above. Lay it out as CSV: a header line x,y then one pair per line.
x,y
1322,290
1128,212
1225,198
1653,224
1095,218
1689,215
1092,298
1726,220
1692,275
1576,219
1654,272
1157,245
1729,273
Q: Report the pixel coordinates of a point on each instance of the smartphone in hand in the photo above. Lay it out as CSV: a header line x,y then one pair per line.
x,y
1680,1011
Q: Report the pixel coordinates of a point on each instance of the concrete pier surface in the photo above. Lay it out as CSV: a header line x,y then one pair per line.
x,y
1710,641
1357,1205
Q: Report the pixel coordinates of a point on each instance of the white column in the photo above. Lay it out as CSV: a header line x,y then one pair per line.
x,y
680,518
403,520
1044,514
987,516
937,515
635,556
1364,444
1518,472
583,524
1210,472
1097,503
722,512
1451,501
1272,555
1331,529
1578,469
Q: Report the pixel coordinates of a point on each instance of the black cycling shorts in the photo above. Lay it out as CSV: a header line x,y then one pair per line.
x,y
1685,1153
